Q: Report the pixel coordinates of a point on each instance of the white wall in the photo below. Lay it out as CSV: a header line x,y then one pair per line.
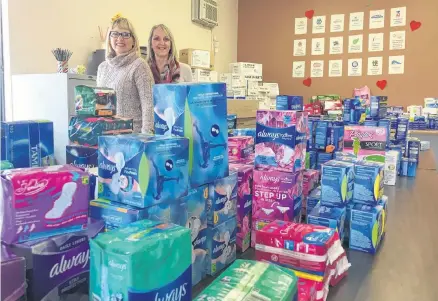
x,y
37,26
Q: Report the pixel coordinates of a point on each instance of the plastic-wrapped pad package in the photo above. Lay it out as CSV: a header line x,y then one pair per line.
x,y
307,248
143,170
13,276
58,267
43,201
85,130
95,101
247,280
144,261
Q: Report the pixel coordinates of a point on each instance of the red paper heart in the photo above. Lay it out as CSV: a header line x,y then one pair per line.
x,y
415,25
307,82
309,14
381,84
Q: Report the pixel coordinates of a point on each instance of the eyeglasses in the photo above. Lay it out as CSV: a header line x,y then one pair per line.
x,y
116,34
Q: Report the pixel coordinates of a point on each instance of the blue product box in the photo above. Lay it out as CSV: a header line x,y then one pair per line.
x,y
327,216
337,180
321,134
243,132
313,199
232,121
413,146
27,143
367,226
143,170
289,102
378,106
81,156
222,200
197,111
347,110
323,158
85,131
191,214
298,203
368,182
386,123
311,138
336,138
115,215
221,241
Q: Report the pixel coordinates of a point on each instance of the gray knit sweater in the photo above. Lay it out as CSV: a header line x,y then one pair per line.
x,y
131,78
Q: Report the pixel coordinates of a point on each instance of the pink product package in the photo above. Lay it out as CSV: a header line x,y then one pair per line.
x,y
365,142
245,161
41,202
240,147
339,269
313,290
310,180
244,204
281,140
364,93
256,226
306,248
275,193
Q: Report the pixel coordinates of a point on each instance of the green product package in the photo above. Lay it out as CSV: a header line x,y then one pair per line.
x,y
94,101
6,165
247,280
146,260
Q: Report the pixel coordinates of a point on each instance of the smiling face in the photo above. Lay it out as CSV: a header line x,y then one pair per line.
x,y
161,43
121,40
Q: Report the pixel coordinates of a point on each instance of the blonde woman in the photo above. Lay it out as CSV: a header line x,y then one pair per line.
x,y
163,58
128,74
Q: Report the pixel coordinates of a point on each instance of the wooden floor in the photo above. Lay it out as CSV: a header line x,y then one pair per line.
x,y
406,266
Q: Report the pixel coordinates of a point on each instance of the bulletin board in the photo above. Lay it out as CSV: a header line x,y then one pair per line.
x,y
267,35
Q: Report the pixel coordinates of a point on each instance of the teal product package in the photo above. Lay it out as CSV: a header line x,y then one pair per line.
x,y
222,201
221,242
368,182
143,170
5,164
197,111
144,261
327,216
313,199
337,180
247,280
95,101
85,130
191,214
367,226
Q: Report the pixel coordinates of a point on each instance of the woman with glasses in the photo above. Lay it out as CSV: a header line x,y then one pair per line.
x,y
163,58
129,75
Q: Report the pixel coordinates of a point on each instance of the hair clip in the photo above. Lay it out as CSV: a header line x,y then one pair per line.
x,y
116,17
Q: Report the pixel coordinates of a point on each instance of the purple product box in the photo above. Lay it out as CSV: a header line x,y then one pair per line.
x,y
41,202
13,276
244,205
58,267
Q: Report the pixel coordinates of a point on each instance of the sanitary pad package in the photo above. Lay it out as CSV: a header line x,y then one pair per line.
x,y
13,276
306,248
115,215
281,140
85,131
199,113
222,201
143,170
191,214
244,205
57,267
94,101
310,180
366,142
275,194
368,182
144,261
313,199
289,102
391,167
27,143
243,132
247,280
240,147
81,156
337,180
221,242
41,202
331,217
367,226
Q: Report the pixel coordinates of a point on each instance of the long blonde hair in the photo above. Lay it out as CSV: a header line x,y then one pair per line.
x,y
173,54
122,23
